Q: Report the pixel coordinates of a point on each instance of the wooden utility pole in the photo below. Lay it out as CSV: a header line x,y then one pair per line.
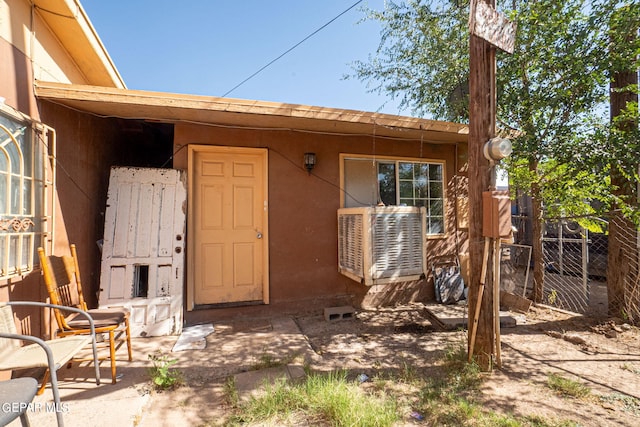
x,y
488,29
482,119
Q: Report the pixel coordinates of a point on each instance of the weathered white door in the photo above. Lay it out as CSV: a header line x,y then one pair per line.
x,y
228,260
143,250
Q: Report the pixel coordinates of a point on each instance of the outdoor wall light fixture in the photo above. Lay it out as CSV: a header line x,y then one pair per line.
x,y
309,161
497,149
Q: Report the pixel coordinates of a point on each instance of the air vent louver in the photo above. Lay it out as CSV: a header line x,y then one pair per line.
x,y
381,244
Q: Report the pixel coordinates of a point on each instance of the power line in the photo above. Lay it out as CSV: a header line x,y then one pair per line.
x,y
290,49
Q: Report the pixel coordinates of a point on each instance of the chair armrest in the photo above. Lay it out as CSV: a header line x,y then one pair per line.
x,y
59,307
39,341
50,359
53,367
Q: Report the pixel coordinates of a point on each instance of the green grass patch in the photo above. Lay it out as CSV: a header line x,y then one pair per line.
x,y
567,387
230,391
323,399
388,398
458,377
448,400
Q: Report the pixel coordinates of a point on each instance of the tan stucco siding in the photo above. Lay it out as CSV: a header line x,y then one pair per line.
x,y
59,40
33,37
303,208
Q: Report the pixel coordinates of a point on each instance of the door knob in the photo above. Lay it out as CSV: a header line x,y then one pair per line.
x,y
259,235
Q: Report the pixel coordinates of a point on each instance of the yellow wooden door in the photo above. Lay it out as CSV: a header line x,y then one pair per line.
x,y
228,225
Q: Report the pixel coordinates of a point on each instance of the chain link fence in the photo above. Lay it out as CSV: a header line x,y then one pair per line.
x,y
575,263
625,280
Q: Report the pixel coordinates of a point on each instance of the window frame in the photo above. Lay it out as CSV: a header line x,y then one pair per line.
x,y
397,160
21,229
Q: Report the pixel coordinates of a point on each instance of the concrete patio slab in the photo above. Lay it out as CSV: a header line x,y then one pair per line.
x,y
235,348
452,317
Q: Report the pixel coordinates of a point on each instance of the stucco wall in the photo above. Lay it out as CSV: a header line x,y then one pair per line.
x,y
16,83
303,208
31,36
87,147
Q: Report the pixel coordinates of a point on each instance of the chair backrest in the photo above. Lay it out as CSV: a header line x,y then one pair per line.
x,y
74,269
62,279
8,326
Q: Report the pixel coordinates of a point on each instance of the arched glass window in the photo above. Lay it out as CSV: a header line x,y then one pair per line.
x,y
18,201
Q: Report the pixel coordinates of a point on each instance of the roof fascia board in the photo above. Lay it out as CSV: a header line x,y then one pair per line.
x,y
71,25
170,107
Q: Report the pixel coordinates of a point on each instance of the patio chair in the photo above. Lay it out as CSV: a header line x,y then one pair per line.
x,y
51,354
15,397
62,279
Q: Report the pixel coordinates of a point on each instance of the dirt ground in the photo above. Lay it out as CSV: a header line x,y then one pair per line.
x,y
602,354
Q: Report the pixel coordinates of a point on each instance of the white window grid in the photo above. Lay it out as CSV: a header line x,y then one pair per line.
x,y
421,183
22,189
434,196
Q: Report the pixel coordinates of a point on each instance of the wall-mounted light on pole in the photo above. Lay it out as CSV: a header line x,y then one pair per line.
x,y
309,161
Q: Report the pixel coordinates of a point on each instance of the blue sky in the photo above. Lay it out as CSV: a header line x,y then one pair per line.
x,y
206,47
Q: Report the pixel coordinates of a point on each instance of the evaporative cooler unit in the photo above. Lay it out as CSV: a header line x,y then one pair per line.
x,y
382,244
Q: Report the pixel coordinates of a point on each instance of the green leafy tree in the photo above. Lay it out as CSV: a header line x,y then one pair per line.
x,y
423,57
551,91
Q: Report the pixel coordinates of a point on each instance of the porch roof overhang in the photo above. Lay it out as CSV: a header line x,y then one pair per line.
x,y
177,108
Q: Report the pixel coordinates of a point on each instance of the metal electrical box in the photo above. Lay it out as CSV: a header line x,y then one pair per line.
x,y
496,214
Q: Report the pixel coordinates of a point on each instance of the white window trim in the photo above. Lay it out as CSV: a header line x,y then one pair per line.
x,y
375,158
20,223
